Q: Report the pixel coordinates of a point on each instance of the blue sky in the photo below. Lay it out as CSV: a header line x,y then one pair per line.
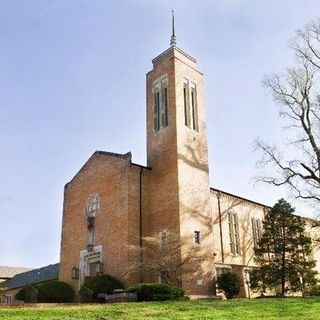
x,y
72,81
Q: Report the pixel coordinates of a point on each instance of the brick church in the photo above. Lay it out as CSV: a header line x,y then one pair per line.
x,y
113,203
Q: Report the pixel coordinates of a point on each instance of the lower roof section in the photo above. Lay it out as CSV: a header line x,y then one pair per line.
x,y
50,272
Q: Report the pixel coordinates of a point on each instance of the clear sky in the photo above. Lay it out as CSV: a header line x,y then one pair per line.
x,y
72,81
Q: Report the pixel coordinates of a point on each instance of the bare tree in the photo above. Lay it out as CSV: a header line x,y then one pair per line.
x,y
165,255
297,94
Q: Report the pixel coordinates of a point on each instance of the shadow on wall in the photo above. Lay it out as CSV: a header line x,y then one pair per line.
x,y
192,160
239,206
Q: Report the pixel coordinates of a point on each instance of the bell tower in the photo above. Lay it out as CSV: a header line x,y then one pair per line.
x,y
179,191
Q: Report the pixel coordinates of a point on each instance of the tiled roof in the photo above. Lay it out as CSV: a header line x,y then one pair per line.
x,y
8,272
50,272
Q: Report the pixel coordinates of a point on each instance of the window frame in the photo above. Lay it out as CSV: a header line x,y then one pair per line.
x,y
186,103
160,103
256,231
234,233
156,109
194,106
190,104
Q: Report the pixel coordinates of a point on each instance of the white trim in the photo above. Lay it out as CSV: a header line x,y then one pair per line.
x,y
87,257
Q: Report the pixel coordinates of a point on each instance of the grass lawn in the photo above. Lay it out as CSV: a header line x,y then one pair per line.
x,y
239,309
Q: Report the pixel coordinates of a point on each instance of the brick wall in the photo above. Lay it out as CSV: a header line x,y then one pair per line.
x,y
116,227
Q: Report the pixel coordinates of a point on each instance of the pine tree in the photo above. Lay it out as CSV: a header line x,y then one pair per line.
x,y
283,253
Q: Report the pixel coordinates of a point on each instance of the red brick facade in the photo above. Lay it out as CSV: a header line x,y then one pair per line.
x,y
172,193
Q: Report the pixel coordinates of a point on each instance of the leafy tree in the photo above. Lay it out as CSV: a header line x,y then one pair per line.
x,y
296,92
283,254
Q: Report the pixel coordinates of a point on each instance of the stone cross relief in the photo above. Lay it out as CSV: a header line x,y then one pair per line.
x,y
91,210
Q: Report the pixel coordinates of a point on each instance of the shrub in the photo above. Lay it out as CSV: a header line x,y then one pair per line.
x,y
313,291
134,288
229,282
157,292
55,292
28,293
21,294
102,284
86,294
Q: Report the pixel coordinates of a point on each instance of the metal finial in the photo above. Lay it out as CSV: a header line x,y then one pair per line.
x,y
173,40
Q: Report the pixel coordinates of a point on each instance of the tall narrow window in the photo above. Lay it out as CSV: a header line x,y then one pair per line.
x,y
234,233
160,110
164,106
186,105
156,110
259,229
194,105
256,231
190,105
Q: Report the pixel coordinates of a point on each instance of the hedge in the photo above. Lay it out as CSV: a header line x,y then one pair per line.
x,y
49,292
157,292
55,292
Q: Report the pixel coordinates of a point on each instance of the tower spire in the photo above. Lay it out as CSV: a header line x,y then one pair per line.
x,y
173,40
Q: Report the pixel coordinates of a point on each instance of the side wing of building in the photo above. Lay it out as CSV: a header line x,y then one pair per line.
x,y
237,226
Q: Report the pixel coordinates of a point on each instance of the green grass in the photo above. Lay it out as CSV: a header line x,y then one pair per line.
x,y
240,309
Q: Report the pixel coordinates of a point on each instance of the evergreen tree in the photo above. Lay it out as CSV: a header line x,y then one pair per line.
x,y
283,253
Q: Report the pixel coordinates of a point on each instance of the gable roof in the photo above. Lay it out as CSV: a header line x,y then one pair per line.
x,y
9,272
50,272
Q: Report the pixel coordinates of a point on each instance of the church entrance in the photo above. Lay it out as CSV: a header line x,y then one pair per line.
x,y
90,263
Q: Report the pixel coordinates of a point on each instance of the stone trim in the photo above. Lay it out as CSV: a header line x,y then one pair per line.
x,y
161,55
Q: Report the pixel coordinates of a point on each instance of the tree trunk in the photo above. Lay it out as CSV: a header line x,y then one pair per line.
x,y
283,271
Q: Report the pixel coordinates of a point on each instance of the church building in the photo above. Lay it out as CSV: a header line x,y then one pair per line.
x,y
112,203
